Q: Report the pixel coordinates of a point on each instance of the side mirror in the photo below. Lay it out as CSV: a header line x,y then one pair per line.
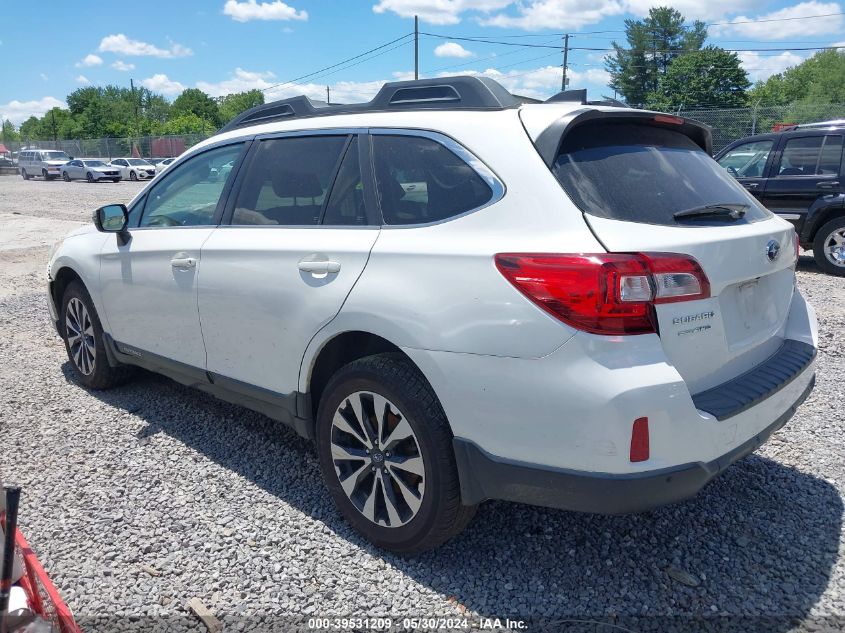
x,y
113,218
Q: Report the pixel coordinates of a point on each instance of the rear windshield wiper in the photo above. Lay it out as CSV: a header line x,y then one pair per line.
x,y
732,211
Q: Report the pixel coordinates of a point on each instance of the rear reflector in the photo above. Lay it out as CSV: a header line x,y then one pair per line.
x,y
605,293
639,440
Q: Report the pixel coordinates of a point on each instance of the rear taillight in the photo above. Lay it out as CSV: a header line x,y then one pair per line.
x,y
605,293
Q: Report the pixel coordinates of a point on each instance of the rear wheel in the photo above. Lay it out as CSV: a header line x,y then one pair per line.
x,y
65,176
84,341
385,450
829,247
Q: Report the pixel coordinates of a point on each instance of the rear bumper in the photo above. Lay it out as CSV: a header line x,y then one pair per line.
x,y
484,476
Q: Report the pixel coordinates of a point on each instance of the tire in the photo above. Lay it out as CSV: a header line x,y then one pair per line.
x,y
115,179
87,356
89,176
44,175
391,380
24,175
133,176
65,176
831,236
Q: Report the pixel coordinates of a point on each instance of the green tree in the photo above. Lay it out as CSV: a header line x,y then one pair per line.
x,y
653,43
819,79
232,105
711,78
187,123
8,132
31,129
195,101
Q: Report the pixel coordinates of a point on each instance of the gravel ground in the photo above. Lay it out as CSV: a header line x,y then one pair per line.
x,y
141,498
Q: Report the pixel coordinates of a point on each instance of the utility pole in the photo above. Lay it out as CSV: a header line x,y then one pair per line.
x,y
565,61
416,47
55,136
328,96
135,108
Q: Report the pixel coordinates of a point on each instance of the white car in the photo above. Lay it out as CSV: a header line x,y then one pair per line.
x,y
579,309
134,168
164,164
90,169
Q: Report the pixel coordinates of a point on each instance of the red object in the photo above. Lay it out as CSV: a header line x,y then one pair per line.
x,y
779,126
167,147
672,120
3,149
605,293
639,440
42,595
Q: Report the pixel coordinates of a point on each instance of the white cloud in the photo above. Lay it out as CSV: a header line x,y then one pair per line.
x,y
438,11
754,27
696,9
123,45
163,84
82,79
252,10
542,83
561,14
452,49
761,67
90,60
122,66
19,111
240,81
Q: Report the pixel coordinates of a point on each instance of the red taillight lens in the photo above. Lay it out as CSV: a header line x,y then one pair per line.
x,y
605,293
639,440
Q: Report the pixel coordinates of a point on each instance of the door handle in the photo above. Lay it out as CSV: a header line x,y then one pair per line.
x,y
319,267
751,185
829,184
183,262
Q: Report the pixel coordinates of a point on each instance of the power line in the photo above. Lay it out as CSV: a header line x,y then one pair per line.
x,y
316,72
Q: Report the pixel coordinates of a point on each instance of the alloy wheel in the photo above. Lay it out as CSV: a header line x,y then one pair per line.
x,y
65,176
80,336
377,459
834,247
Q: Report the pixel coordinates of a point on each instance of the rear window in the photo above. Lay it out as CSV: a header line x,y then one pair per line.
x,y
642,173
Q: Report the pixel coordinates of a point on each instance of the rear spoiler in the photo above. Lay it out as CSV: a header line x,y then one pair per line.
x,y
549,142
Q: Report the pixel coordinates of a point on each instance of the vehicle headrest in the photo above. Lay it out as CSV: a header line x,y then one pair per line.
x,y
292,184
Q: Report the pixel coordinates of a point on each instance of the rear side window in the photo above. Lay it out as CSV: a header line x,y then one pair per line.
x,y
420,181
642,173
800,156
831,156
287,181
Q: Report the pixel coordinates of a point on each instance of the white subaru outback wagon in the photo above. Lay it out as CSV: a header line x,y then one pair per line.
x,y
460,295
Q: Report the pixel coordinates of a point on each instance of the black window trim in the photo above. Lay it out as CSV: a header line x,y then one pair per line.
x,y
224,194
373,220
497,186
767,167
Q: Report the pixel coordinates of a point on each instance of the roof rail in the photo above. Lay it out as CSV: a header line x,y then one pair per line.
x,y
461,92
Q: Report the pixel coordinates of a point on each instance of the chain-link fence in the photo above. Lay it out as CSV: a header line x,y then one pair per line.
x,y
109,148
735,123
728,125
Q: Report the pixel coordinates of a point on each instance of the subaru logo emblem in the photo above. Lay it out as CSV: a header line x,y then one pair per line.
x,y
772,250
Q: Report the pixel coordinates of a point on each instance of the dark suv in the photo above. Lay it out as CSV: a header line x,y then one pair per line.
x,y
798,174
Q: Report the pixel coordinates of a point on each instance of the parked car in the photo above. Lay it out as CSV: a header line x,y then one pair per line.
x,y
91,169
798,174
7,162
41,162
134,168
581,309
163,163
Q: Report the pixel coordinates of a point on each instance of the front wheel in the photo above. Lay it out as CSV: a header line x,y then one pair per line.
x,y
385,450
89,176
133,176
24,175
829,247
65,176
83,335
